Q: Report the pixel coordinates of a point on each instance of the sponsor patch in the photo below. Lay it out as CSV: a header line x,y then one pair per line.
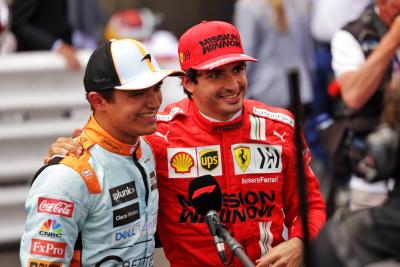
x,y
171,115
274,116
242,157
209,159
48,248
126,215
114,260
123,193
55,206
257,158
257,129
260,180
153,181
182,162
125,234
186,162
42,263
51,228
236,207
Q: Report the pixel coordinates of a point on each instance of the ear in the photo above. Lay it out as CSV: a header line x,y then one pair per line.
x,y
188,84
97,102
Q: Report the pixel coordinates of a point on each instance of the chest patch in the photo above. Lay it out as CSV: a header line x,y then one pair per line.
x,y
256,158
185,162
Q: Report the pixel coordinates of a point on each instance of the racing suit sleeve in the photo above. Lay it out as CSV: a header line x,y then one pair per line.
x,y
56,206
315,201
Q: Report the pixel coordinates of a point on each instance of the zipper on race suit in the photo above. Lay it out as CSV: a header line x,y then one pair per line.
x,y
144,176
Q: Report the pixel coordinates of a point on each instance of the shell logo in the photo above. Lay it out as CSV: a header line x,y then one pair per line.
x,y
182,162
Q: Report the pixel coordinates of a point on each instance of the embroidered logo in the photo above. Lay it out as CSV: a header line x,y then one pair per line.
x,y
182,162
242,157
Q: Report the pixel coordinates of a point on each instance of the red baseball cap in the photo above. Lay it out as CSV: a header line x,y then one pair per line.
x,y
210,44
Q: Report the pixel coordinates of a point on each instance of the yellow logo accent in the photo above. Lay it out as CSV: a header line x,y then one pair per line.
x,y
181,57
182,162
209,159
242,157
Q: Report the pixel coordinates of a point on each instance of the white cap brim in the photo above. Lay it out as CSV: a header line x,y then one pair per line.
x,y
148,79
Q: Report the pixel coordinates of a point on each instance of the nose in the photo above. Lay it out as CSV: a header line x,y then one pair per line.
x,y
232,82
154,99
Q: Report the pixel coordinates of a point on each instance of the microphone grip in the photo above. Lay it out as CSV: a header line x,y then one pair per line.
x,y
234,245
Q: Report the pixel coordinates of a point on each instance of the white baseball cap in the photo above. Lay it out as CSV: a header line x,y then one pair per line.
x,y
123,64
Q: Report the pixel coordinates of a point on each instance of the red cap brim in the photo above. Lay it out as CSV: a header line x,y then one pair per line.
x,y
222,60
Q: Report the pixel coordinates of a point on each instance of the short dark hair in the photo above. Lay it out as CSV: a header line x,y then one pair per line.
x,y
107,95
192,74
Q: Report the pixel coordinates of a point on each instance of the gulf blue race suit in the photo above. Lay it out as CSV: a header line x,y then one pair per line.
x,y
97,209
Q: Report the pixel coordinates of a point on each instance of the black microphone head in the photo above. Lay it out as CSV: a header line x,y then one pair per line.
x,y
205,194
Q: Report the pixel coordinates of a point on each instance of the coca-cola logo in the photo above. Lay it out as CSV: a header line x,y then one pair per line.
x,y
55,206
48,248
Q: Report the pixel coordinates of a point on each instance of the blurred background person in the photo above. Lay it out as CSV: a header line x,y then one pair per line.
x,y
365,56
143,24
59,25
327,17
370,236
8,42
277,33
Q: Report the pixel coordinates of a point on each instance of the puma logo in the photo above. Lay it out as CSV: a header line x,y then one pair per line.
x,y
162,135
280,136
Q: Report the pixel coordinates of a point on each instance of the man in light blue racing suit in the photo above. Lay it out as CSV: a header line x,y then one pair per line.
x,y
100,208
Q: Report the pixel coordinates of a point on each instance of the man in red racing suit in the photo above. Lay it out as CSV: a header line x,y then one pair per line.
x,y
246,145
253,159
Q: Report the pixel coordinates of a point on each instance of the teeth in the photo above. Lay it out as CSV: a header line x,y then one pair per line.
x,y
230,96
148,115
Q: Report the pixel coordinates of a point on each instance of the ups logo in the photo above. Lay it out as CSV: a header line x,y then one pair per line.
x,y
209,159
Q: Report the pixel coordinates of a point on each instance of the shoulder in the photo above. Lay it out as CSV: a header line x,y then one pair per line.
x,y
82,166
277,115
174,111
59,180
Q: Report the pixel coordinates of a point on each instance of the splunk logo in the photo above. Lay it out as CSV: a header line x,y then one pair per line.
x,y
123,193
51,228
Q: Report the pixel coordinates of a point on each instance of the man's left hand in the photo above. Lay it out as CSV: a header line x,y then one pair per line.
x,y
288,254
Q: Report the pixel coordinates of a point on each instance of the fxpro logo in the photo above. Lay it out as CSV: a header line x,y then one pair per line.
x,y
123,193
48,248
51,228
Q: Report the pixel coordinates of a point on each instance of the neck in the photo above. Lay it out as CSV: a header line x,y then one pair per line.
x,y
103,121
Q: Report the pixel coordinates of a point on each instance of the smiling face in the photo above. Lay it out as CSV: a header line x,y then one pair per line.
x,y
219,92
130,113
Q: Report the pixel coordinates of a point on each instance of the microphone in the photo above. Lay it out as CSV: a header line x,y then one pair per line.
x,y
206,197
